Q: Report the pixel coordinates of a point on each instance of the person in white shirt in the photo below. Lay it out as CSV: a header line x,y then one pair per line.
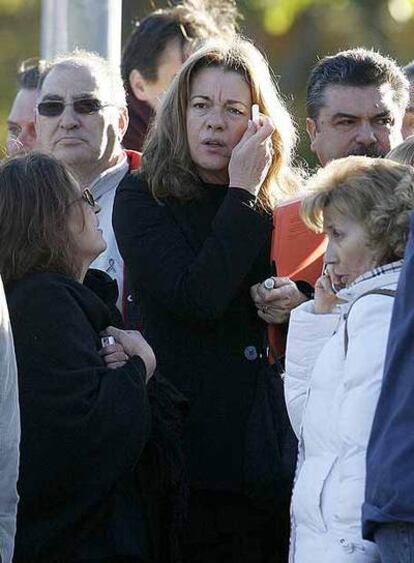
x,y
9,434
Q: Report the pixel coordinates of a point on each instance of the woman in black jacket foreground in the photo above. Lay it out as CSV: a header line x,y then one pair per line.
x,y
194,229
85,413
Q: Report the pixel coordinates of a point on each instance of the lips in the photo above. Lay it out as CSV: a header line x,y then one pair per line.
x,y
213,143
69,140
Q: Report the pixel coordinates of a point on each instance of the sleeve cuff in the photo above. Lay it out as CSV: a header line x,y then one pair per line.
x,y
139,367
243,196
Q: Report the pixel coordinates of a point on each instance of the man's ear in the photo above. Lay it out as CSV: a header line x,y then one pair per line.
x,y
138,85
312,130
123,122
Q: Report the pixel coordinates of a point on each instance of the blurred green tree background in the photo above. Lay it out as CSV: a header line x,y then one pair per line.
x,y
292,33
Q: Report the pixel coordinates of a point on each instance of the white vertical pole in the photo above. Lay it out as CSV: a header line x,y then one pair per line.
x,y
94,25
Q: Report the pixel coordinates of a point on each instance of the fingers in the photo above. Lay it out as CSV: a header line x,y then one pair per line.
x,y
110,349
324,284
116,365
265,128
273,316
111,331
283,291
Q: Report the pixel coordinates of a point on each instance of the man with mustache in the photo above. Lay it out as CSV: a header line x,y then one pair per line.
x,y
355,105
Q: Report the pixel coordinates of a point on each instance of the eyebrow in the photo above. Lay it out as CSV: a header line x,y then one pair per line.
x,y
56,97
227,101
341,115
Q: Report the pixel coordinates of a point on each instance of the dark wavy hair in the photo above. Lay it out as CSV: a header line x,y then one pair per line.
x,y
189,22
36,191
356,67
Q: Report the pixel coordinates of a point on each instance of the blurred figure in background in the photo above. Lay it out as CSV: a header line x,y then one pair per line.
x,y
408,121
157,48
21,134
355,105
81,120
9,434
194,227
336,350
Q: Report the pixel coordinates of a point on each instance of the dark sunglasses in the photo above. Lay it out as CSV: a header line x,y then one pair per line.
x,y
85,106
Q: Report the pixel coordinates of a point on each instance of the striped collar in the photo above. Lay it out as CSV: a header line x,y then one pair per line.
x,y
378,271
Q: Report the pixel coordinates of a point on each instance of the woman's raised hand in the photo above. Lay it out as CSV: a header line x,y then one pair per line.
x,y
134,344
325,297
252,156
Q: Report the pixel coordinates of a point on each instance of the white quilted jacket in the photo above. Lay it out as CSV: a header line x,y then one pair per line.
x,y
331,399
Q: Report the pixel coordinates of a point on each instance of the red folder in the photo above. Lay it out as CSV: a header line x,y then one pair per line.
x,y
297,253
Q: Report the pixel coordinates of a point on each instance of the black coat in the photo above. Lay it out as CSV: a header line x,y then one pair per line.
x,y
84,428
192,267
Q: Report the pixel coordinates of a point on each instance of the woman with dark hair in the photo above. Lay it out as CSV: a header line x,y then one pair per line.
x,y
194,229
85,415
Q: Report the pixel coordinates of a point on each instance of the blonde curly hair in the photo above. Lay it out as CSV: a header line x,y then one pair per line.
x,y
376,193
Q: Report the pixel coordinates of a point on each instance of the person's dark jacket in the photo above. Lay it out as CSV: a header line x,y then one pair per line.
x,y
389,493
192,266
84,428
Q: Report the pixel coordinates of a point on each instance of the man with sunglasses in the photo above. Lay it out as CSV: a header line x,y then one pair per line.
x,y
81,118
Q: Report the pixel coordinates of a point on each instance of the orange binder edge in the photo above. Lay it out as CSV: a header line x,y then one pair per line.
x,y
297,253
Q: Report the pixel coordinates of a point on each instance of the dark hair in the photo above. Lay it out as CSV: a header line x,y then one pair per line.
x,y
190,23
355,67
409,70
29,73
35,192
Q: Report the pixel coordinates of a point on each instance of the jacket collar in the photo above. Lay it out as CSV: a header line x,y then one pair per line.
x,y
366,283
110,178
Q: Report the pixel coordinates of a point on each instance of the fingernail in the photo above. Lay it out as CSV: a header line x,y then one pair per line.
x,y
249,124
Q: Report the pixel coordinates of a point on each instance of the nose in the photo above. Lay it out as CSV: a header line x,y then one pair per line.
x,y
28,136
69,119
215,119
366,134
330,256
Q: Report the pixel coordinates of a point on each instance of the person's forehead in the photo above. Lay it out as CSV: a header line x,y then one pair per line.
x,y
358,101
69,81
23,108
221,83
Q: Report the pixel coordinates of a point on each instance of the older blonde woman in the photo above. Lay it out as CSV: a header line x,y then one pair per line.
x,y
336,348
194,229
